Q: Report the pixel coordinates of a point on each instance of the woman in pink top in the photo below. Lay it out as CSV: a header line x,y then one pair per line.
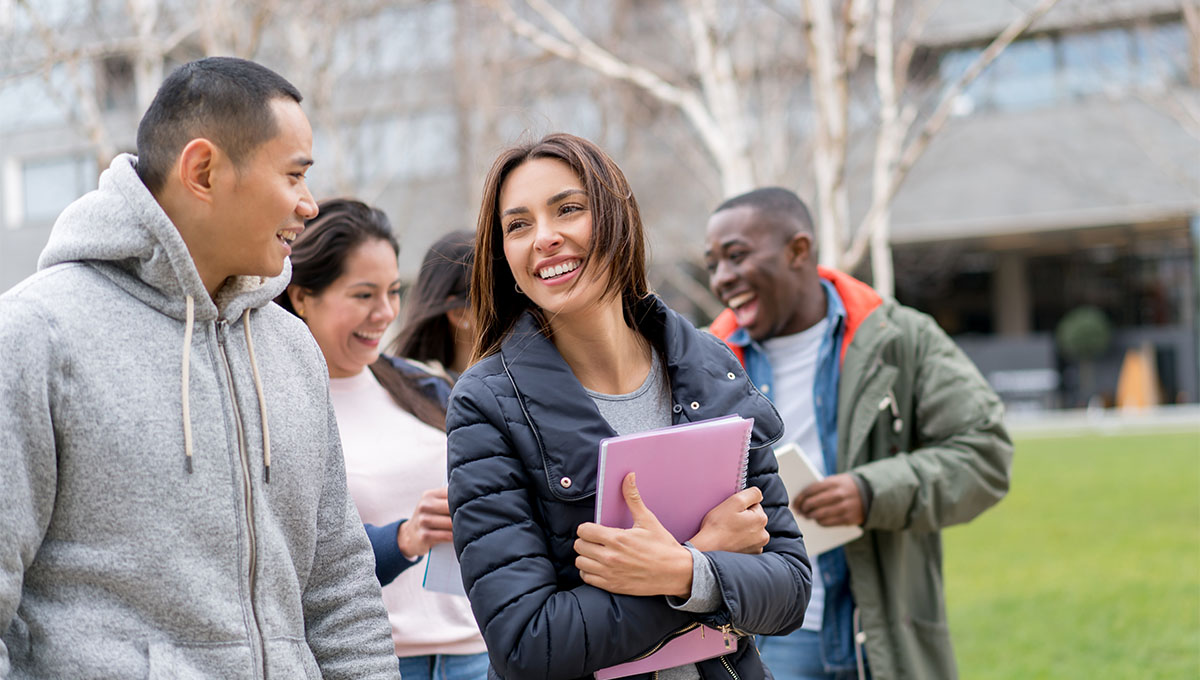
x,y
391,416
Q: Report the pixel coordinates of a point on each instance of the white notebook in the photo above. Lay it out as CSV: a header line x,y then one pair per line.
x,y
442,573
797,472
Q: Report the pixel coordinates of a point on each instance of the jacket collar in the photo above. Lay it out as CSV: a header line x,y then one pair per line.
x,y
566,421
858,298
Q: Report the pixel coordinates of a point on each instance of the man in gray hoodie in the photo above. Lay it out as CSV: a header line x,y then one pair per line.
x,y
172,496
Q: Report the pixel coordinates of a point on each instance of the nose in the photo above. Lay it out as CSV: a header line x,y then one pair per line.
x,y
307,207
721,277
384,310
548,236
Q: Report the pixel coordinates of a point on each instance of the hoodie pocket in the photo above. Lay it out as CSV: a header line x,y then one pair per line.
x,y
200,661
286,658
291,658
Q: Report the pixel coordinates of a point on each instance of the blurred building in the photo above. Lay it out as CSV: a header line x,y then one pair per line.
x,y
1068,176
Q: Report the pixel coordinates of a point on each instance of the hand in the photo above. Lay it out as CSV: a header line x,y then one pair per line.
x,y
428,526
833,501
642,560
738,524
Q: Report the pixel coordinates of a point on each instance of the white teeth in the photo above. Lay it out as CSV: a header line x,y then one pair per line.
x,y
740,300
369,336
286,235
558,270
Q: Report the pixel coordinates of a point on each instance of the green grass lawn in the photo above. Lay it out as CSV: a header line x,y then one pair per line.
x,y
1090,568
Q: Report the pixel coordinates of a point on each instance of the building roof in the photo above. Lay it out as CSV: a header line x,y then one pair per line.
x,y
957,22
1094,163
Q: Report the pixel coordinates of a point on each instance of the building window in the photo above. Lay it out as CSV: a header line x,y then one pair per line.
x,y
1052,69
50,184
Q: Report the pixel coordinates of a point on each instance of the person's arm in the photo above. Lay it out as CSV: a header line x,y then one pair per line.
x,y
345,620
962,463
28,469
531,627
767,593
390,562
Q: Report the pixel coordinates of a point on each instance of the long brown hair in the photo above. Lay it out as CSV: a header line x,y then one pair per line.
x,y
618,243
319,258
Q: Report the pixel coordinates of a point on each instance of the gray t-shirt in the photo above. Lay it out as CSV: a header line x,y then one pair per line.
x,y
647,408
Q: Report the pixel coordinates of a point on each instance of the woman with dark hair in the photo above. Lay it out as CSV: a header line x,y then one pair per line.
x,y
345,285
437,330
572,347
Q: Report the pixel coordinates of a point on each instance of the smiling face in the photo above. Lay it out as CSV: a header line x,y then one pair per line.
x,y
546,223
349,318
759,272
265,201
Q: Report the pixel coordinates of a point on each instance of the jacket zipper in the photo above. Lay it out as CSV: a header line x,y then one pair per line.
x,y
729,667
726,630
247,494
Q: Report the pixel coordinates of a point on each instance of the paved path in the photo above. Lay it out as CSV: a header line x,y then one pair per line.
x,y
1184,418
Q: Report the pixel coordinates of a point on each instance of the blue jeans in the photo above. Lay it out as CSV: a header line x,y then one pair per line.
x,y
798,657
444,667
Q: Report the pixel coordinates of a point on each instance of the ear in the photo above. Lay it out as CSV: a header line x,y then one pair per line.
x,y
799,250
196,167
299,296
457,316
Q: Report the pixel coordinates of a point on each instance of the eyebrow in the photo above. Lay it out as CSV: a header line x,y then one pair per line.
x,y
563,194
725,244
369,284
549,201
302,161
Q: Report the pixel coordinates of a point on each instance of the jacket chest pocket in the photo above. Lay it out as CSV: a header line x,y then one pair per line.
x,y
561,520
872,412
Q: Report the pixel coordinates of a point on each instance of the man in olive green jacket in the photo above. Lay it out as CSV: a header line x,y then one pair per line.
x,y
915,442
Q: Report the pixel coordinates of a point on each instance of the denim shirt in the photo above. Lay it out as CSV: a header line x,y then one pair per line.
x,y
837,643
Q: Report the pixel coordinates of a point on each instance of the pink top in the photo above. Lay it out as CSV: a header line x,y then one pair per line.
x,y
391,457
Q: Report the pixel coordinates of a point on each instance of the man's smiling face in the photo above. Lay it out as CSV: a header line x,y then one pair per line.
x,y
753,269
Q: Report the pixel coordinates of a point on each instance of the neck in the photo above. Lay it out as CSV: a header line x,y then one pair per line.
x,y
464,343
604,353
192,236
812,308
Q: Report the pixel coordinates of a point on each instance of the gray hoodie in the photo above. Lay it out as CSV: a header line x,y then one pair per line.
x,y
118,375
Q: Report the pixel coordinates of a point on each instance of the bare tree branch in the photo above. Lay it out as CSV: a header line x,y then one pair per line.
x,y
1191,19
88,114
912,152
571,44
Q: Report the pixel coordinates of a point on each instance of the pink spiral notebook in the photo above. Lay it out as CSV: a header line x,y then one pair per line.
x,y
683,471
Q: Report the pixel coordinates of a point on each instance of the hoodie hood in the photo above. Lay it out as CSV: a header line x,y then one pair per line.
x,y
122,231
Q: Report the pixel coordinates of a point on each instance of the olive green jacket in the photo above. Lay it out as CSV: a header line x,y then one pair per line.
x,y
925,431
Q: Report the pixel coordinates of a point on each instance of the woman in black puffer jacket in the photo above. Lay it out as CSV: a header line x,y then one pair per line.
x,y
568,330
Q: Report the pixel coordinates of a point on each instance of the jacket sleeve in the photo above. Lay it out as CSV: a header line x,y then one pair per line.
x,y
962,457
765,594
28,470
389,561
345,620
533,629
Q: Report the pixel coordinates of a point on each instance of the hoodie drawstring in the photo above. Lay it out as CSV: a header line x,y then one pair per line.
x,y
187,355
187,414
262,399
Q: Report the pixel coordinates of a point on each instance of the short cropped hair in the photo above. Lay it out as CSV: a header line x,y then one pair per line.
x,y
223,99
781,205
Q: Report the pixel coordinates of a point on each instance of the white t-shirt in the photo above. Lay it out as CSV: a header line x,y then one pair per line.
x,y
794,371
391,457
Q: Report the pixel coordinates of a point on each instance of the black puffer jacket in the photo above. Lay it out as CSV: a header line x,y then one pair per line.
x,y
523,440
